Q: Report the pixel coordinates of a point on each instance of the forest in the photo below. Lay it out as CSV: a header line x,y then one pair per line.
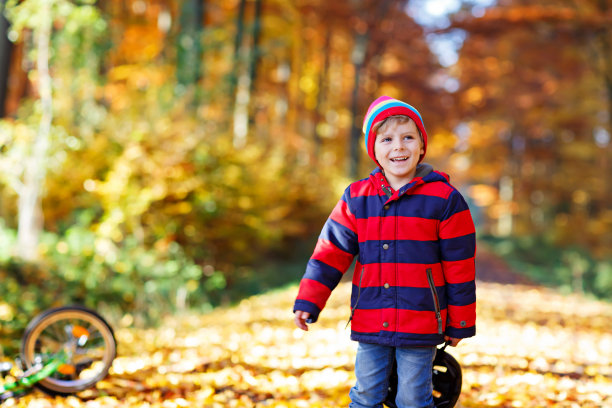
x,y
170,164
161,156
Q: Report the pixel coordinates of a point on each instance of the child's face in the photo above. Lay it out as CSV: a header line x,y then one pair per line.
x,y
398,149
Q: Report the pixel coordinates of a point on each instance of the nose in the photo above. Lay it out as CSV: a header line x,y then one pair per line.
x,y
397,144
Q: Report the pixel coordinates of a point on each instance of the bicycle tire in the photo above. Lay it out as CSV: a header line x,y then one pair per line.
x,y
93,347
446,378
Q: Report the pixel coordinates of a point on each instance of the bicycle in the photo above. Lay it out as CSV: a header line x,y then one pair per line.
x,y
446,379
64,350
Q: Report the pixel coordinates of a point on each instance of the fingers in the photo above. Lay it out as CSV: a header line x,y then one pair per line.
x,y
300,318
453,341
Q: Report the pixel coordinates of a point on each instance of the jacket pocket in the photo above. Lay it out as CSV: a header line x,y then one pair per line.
x,y
357,299
436,300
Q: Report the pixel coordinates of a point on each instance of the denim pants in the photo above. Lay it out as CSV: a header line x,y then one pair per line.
x,y
373,367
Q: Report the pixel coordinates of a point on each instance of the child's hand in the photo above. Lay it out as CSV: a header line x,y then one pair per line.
x,y
452,341
300,319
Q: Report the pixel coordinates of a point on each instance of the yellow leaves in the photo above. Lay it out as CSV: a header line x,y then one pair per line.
x,y
182,207
482,194
147,40
475,95
6,312
534,348
531,13
308,84
441,144
127,81
539,348
233,174
390,64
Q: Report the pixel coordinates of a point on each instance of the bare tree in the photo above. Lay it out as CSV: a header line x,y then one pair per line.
x,y
30,176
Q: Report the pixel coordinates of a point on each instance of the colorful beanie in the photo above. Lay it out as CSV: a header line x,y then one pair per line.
x,y
381,109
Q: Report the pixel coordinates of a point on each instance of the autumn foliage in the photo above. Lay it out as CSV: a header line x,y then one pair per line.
x,y
194,144
534,348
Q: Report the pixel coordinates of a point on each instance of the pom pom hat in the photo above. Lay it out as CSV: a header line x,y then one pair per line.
x,y
381,109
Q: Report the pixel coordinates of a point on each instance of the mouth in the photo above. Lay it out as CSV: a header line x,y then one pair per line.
x,y
399,159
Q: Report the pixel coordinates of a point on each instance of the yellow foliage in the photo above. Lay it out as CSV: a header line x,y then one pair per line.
x,y
474,96
533,348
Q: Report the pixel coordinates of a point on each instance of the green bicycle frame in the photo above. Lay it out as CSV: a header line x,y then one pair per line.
x,y
27,381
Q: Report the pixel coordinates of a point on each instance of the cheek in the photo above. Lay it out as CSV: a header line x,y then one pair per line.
x,y
421,147
377,153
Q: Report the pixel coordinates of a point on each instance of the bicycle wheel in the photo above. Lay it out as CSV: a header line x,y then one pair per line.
x,y
85,339
446,378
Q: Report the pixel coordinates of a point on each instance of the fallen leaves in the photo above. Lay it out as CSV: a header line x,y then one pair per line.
x,y
537,348
534,348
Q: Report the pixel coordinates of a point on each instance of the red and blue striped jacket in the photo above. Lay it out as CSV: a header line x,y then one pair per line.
x,y
414,278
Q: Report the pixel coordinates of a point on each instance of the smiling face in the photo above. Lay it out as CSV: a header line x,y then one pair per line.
x,y
398,148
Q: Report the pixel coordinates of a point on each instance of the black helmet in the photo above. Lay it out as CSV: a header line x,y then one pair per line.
x,y
446,378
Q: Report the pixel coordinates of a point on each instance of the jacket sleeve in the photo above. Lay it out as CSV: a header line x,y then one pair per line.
x,y
458,249
336,247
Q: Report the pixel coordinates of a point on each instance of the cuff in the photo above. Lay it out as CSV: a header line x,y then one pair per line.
x,y
460,333
306,306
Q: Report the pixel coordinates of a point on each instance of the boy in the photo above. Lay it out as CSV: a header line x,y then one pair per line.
x,y
413,283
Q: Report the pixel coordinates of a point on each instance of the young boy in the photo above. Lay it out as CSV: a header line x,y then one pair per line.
x,y
413,283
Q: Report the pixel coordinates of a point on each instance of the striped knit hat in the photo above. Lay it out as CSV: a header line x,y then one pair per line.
x,y
381,109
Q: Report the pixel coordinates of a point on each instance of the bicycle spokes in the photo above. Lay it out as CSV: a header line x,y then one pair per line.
x,y
85,340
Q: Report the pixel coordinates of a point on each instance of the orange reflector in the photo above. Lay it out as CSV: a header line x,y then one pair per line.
x,y
79,331
436,394
66,369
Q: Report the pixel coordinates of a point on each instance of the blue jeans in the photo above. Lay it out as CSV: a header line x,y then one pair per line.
x,y
373,367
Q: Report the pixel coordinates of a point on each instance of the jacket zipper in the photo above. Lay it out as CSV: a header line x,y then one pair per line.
x,y
389,194
434,293
356,300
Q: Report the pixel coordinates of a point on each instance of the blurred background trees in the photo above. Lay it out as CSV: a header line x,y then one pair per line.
x,y
197,146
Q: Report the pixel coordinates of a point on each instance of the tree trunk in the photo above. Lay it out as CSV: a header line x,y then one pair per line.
x,y
237,46
30,210
254,60
323,78
360,50
189,50
603,35
240,85
5,59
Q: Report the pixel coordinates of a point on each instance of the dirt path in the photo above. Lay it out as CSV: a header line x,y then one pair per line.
x,y
534,348
492,268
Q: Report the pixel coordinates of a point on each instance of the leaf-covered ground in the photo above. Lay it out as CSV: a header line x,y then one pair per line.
x,y
534,348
